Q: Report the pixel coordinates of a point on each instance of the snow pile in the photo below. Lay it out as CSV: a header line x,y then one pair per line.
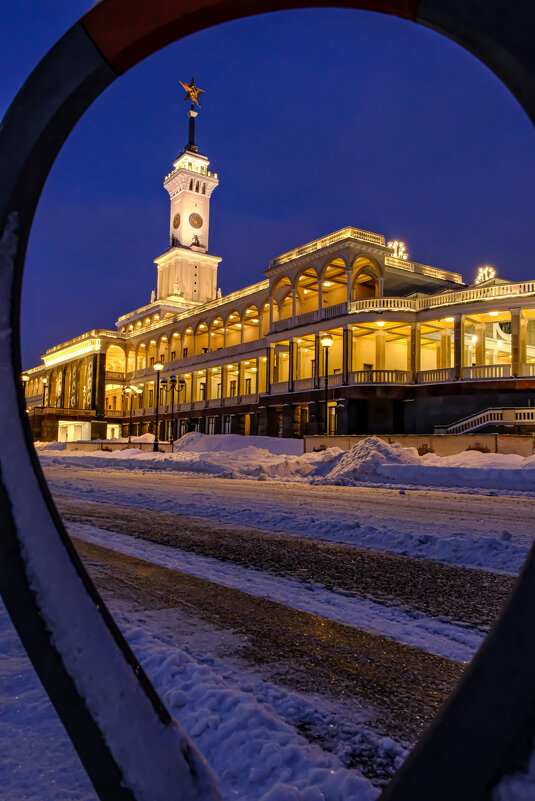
x,y
232,443
363,461
254,753
49,446
370,461
223,455
470,469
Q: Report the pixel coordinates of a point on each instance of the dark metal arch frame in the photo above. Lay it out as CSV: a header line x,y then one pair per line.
x,y
486,728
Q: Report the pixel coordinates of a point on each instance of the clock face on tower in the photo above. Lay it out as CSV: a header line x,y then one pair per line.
x,y
176,220
195,220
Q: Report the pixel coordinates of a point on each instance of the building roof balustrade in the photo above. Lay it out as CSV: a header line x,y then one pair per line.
x,y
326,241
423,269
518,289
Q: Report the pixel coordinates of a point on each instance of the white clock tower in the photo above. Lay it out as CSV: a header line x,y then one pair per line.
x,y
186,271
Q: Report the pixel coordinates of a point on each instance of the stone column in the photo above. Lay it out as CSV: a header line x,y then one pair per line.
x,y
458,346
349,274
96,368
346,354
287,420
445,345
294,303
518,341
270,312
239,388
224,381
317,371
291,364
296,417
269,356
414,350
380,350
313,426
342,416
480,343
262,421
253,424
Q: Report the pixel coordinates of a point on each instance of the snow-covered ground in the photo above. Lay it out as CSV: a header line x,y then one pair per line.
x,y
376,496
371,461
241,724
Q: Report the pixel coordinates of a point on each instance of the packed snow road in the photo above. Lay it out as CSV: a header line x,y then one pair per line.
x,y
486,531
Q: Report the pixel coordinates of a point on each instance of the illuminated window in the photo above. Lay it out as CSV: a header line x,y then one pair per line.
x,y
185,353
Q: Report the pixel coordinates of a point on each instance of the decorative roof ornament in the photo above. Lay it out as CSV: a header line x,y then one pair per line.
x,y
399,250
485,273
192,91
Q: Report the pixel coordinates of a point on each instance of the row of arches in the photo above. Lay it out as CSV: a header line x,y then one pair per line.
x,y
304,289
317,287
206,335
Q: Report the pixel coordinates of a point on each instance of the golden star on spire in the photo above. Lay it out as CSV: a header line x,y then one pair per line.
x,y
192,91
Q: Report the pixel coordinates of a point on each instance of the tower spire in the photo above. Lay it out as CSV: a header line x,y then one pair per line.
x,y
192,93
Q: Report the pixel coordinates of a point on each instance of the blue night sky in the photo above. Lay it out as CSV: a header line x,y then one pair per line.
x,y
313,119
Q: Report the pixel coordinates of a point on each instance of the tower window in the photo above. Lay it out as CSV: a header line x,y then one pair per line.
x,y
197,187
191,184
204,189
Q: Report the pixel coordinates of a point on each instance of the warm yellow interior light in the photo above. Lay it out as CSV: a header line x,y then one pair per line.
x,y
380,323
326,340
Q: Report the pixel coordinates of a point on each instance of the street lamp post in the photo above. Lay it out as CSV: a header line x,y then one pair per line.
x,y
158,367
326,340
171,389
45,382
130,393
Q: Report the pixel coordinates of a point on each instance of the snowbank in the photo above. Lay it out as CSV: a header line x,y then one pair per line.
x,y
370,461
231,443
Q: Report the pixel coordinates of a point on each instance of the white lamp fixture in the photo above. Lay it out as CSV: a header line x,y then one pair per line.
x,y
158,366
326,340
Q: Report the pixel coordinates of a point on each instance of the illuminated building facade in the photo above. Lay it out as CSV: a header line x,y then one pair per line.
x,y
413,347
